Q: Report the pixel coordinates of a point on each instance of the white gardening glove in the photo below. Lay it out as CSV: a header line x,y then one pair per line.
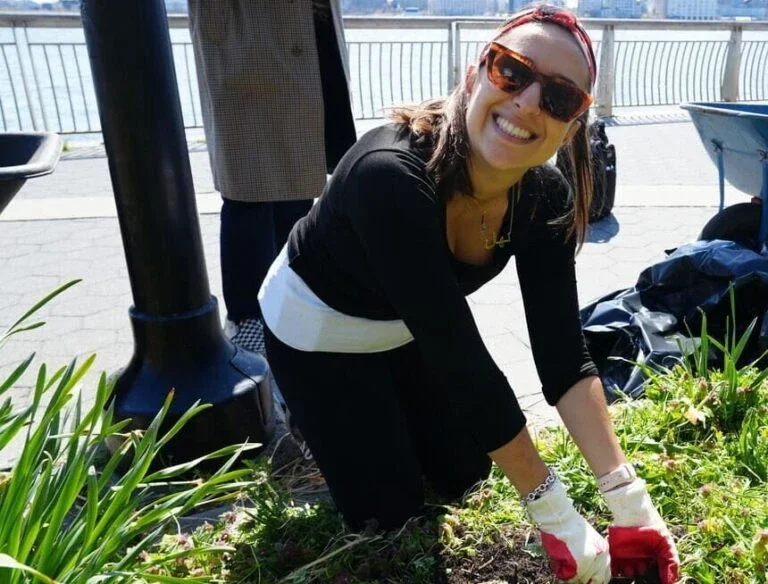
x,y
639,538
577,553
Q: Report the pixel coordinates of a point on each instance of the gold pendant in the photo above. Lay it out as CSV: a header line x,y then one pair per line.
x,y
490,244
503,241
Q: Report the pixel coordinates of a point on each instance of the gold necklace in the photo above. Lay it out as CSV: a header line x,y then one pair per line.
x,y
490,242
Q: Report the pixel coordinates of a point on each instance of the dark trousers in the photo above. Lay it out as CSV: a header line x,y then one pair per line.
x,y
379,427
252,234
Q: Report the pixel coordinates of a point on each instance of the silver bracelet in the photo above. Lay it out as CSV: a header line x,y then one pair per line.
x,y
542,488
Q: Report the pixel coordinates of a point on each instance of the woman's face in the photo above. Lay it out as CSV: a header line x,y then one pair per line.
x,y
511,132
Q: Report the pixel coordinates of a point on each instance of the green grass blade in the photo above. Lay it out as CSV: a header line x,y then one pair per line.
x,y
16,374
172,579
43,302
21,329
173,471
9,563
738,348
195,409
190,553
759,379
703,355
732,300
36,513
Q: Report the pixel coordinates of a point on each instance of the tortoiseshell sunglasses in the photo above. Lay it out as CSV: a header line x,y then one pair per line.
x,y
513,73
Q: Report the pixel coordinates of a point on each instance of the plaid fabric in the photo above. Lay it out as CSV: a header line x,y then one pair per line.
x,y
247,334
259,78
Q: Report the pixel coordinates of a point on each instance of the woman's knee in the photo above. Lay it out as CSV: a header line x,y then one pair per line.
x,y
464,478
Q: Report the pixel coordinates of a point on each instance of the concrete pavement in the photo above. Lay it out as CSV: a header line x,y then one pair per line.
x,y
64,226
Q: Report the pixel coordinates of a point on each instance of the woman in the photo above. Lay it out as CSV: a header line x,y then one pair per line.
x,y
373,343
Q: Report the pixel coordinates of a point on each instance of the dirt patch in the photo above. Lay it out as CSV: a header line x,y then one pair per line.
x,y
504,561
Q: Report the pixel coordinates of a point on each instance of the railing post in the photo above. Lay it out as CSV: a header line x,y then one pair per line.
x,y
604,97
729,91
450,75
457,54
37,81
24,82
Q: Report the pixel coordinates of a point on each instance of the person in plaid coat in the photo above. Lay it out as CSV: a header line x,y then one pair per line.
x,y
273,78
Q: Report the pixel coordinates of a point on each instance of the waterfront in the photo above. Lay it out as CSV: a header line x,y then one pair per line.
x,y
49,69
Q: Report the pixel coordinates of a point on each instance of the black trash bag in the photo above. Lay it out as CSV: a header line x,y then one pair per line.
x,y
648,323
603,171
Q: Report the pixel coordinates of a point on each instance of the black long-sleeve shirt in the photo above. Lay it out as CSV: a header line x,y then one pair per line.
x,y
375,246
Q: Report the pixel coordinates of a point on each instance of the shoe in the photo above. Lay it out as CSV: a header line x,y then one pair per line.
x,y
247,334
296,433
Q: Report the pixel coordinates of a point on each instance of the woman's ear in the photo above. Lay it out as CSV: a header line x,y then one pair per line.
x,y
469,78
575,127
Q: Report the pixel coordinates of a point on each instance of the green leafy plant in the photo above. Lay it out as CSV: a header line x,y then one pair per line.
x,y
68,515
730,392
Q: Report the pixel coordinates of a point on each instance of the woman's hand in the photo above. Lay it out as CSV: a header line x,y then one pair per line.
x,y
639,538
577,553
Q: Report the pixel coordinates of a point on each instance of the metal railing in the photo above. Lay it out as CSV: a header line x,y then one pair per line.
x,y
45,80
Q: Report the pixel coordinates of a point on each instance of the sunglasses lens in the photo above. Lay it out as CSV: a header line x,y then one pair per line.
x,y
509,74
561,100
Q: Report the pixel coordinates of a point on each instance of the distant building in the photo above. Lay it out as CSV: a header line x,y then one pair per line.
x,y
20,5
464,7
657,9
413,5
692,9
367,6
590,8
611,8
628,8
746,9
515,5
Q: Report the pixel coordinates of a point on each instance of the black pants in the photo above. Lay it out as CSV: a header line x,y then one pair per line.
x,y
378,426
252,235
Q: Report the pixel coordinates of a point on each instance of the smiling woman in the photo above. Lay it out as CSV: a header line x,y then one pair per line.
x,y
372,341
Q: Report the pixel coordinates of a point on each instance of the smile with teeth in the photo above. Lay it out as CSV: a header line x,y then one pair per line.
x,y
509,128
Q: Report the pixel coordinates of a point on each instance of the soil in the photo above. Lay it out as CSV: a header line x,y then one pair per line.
x,y
501,562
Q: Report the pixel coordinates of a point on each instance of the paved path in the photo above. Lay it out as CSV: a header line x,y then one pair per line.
x,y
64,226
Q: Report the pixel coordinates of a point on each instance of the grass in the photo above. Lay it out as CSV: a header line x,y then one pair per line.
x,y
700,439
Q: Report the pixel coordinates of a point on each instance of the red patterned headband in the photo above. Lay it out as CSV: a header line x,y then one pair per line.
x,y
562,18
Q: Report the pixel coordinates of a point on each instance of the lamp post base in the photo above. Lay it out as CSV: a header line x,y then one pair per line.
x,y
189,354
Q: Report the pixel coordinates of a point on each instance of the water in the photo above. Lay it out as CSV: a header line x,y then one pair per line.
x,y
387,66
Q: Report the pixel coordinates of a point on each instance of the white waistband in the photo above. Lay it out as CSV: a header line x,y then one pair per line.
x,y
301,320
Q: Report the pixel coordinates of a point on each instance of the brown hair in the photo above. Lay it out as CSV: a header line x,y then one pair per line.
x,y
578,153
438,129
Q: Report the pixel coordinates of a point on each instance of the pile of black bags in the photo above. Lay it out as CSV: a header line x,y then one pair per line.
x,y
650,322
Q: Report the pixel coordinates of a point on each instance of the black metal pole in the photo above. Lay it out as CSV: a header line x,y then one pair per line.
x,y
178,340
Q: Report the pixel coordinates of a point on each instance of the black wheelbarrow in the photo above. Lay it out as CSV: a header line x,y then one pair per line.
x,y
25,155
736,138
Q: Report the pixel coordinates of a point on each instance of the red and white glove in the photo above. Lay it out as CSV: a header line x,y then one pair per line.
x,y
577,553
639,538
